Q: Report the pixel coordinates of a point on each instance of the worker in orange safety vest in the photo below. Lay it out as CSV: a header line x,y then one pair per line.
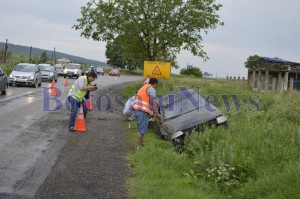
x,y
145,106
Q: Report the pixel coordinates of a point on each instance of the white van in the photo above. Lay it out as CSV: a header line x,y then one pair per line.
x,y
73,70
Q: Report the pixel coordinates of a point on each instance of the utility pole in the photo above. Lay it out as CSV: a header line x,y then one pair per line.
x,y
5,50
54,56
30,54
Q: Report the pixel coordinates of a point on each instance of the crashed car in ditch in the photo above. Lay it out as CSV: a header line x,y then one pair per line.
x,y
185,110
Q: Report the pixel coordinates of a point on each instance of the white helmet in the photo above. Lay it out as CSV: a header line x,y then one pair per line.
x,y
92,66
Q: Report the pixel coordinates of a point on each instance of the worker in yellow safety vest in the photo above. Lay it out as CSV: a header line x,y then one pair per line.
x,y
79,90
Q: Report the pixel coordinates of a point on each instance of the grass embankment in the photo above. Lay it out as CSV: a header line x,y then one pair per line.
x,y
257,156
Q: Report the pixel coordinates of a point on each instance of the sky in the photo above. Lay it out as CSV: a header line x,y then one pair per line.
x,y
268,28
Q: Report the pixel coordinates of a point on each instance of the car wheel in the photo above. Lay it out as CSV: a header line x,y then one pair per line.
x,y
35,84
5,89
10,84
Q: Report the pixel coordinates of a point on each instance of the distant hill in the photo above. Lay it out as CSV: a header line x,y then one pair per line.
x,y
25,50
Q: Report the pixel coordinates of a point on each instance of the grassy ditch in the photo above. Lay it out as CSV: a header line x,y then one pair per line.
x,y
257,156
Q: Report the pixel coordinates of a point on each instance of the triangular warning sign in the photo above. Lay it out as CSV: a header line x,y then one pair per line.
x,y
156,71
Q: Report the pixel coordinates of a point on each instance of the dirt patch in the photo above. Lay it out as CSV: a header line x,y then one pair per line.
x,y
92,164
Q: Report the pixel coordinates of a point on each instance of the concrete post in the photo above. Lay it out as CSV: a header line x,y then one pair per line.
x,y
253,79
258,80
267,80
227,80
234,81
286,80
291,88
274,84
279,81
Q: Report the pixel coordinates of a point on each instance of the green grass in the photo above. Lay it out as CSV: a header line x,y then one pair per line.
x,y
257,156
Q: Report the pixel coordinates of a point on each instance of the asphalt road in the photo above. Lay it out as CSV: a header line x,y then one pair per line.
x,y
29,141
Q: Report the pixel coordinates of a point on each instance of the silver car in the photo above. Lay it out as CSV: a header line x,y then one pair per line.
x,y
26,74
59,69
185,110
99,70
49,73
3,82
73,70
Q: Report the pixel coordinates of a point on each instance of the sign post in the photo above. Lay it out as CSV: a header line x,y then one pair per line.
x,y
157,69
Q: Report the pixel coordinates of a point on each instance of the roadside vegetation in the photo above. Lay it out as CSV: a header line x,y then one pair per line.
x,y
257,156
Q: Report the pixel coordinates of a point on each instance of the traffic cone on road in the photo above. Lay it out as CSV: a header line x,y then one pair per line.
x,y
52,88
52,85
65,82
80,124
53,92
89,104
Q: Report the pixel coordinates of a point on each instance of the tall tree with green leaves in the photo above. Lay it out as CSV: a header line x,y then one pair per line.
x,y
151,30
252,62
43,58
114,55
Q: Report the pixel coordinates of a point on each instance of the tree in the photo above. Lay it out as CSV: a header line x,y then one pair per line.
x,y
151,30
43,57
252,61
2,55
114,55
191,71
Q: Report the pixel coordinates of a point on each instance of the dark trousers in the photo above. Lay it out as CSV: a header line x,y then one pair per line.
x,y
75,105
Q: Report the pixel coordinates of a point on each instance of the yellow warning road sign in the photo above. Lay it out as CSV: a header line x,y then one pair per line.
x,y
157,69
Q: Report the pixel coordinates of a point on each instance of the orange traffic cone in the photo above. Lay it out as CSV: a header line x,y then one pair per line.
x,y
52,85
80,124
65,82
89,104
53,91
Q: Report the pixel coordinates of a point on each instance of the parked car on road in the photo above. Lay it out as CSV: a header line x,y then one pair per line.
x,y
114,72
73,70
26,74
99,70
59,69
3,82
48,72
184,111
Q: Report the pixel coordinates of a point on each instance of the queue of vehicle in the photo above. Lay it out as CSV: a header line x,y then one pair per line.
x,y
28,74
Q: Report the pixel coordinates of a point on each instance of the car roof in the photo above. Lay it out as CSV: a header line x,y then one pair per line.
x,y
45,65
26,64
184,101
73,64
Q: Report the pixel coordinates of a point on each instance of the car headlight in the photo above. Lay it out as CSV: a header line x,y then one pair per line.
x,y
31,77
51,74
11,76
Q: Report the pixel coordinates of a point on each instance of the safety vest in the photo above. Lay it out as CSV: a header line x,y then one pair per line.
x,y
79,95
142,100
